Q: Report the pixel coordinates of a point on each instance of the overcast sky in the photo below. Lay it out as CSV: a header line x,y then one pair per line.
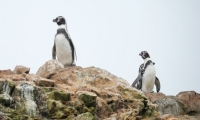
x,y
108,34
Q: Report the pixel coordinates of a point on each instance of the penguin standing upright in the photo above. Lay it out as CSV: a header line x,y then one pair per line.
x,y
147,75
63,46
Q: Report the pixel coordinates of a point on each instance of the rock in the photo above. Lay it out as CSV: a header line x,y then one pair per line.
x,y
88,98
21,69
128,115
14,77
184,103
50,68
5,72
102,108
6,89
24,96
59,95
84,116
166,117
112,117
169,105
154,96
43,82
187,117
57,110
5,99
115,93
190,101
75,93
6,86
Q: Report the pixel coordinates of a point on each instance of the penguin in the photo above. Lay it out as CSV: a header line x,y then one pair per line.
x,y
147,75
63,46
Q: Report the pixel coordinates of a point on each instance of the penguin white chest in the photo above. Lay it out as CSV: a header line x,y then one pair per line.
x,y
63,50
148,78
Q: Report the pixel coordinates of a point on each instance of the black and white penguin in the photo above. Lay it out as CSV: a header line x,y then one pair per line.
x,y
147,75
63,46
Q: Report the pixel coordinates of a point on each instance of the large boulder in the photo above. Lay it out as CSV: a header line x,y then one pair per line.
x,y
184,103
190,101
169,105
19,69
50,68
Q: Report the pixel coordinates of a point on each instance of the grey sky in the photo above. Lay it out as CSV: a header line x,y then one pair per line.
x,y
108,34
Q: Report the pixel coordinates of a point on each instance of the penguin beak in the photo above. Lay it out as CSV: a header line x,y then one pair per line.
x,y
140,54
58,20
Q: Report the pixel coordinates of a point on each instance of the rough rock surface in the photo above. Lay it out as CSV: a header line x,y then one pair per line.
x,y
184,106
76,93
21,69
71,93
5,72
190,101
50,68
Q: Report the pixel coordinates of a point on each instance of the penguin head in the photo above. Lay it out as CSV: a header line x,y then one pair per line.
x,y
144,54
60,20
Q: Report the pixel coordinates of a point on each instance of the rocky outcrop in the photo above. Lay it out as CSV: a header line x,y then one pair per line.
x,y
189,101
76,93
72,93
185,105
50,68
21,69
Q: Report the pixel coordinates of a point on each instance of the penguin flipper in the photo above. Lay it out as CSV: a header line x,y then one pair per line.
x,y
72,45
54,52
135,82
138,82
157,83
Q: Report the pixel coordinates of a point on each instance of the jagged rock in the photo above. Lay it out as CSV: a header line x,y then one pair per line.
x,y
59,95
75,93
128,115
43,82
184,103
24,96
88,98
169,105
6,89
115,93
190,101
154,96
50,68
21,69
6,86
57,110
102,108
